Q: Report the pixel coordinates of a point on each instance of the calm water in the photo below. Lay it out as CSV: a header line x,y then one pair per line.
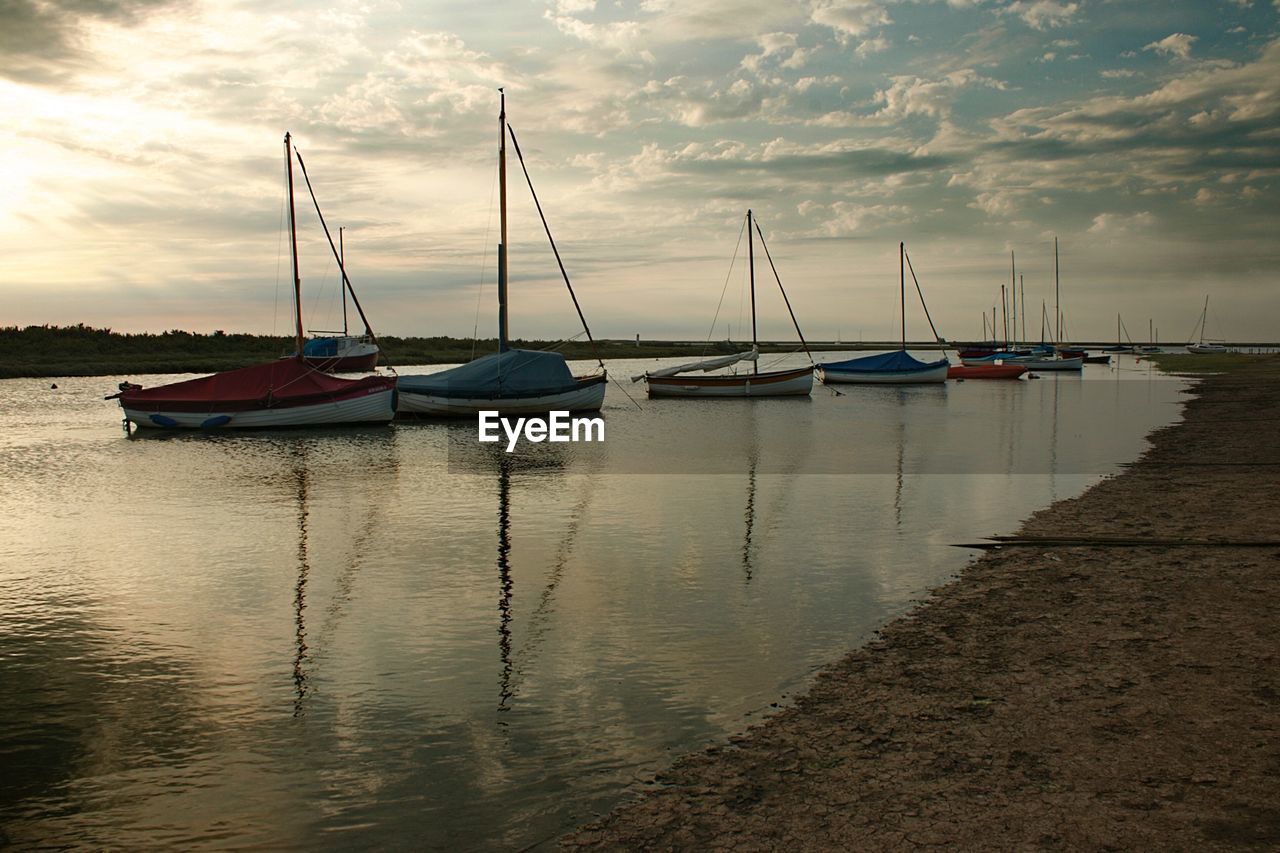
x,y
388,637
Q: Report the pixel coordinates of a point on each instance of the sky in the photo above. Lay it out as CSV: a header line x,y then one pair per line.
x,y
142,182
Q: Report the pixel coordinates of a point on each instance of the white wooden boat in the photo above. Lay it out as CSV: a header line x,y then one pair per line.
x,y
510,381
777,383
675,381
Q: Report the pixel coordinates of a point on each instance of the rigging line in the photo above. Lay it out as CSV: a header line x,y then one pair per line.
x,y
556,251
794,322
936,337
716,317
368,330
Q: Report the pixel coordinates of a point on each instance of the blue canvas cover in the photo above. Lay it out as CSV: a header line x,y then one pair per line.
x,y
320,347
514,373
898,361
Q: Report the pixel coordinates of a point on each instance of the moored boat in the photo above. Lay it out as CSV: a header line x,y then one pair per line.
x,y
285,392
1204,347
891,368
676,381
510,381
986,371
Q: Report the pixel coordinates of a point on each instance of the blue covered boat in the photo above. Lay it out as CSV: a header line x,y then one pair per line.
x,y
895,367
510,381
890,368
515,381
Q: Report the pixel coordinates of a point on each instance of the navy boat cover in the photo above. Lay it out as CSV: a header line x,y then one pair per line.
x,y
890,362
514,373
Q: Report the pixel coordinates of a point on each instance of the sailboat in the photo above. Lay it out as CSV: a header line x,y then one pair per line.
x,y
286,392
669,382
511,381
1120,346
1203,347
898,367
341,352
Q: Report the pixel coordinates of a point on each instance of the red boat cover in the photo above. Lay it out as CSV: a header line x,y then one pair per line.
x,y
281,383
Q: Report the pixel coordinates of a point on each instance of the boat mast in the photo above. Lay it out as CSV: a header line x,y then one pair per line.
x,y
902,291
342,267
502,208
1057,295
751,264
293,245
1204,318
1013,287
1022,300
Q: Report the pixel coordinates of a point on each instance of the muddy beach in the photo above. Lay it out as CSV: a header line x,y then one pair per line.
x,y
1109,695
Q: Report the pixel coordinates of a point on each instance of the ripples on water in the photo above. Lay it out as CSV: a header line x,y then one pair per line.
x,y
391,637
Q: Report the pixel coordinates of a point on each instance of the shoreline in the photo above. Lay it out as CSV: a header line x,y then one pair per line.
x,y
1077,696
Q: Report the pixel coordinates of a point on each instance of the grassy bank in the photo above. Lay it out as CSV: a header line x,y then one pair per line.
x,y
1174,362
42,351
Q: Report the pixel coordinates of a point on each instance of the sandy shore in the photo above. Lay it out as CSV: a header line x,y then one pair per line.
x,y
1049,697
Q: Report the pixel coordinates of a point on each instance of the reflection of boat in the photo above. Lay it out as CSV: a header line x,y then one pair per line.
x,y
1203,347
986,371
670,382
897,368
286,392
510,380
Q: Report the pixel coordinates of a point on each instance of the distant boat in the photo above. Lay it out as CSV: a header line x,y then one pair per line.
x,y
1204,347
343,352
285,392
1097,359
675,381
986,371
511,381
891,368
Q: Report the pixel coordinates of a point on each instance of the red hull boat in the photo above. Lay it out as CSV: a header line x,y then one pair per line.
x,y
986,371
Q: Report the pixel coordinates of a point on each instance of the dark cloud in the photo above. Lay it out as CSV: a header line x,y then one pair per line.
x,y
40,42
856,163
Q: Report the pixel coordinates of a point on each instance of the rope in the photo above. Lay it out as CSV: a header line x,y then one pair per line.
x,y
794,322
715,318
936,337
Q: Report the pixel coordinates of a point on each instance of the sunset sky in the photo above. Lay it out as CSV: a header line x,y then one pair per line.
x,y
141,182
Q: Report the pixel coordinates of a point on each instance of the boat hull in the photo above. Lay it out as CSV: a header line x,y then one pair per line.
x,y
587,396
778,383
368,406
933,373
986,371
1051,363
1206,349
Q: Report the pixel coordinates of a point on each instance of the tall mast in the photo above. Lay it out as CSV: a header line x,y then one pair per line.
x,y
1204,318
1013,287
502,208
1004,315
342,267
1057,300
293,245
1118,344
751,264
1022,300
902,291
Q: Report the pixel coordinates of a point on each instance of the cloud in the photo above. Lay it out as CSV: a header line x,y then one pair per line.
x,y
879,44
911,95
1116,73
1177,45
1042,14
1120,223
850,18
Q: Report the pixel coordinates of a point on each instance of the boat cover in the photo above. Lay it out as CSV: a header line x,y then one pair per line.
x,y
898,361
320,347
706,366
283,382
514,373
